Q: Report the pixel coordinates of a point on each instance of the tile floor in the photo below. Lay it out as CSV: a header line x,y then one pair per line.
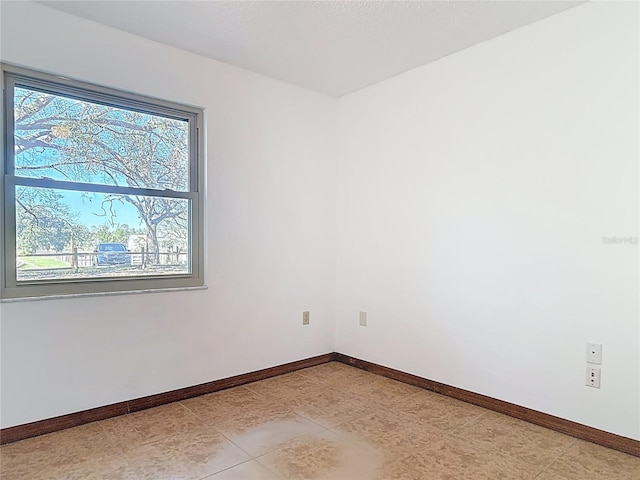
x,y
331,422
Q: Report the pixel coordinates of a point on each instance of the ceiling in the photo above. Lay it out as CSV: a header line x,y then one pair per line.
x,y
332,47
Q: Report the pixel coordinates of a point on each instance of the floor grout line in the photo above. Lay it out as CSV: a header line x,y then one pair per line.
x,y
564,450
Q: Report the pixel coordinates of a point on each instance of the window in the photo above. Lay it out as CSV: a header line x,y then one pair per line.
x,y
102,190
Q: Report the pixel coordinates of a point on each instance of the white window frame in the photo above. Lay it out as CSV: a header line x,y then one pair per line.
x,y
10,288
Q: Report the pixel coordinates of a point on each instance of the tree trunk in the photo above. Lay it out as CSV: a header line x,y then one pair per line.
x,y
152,236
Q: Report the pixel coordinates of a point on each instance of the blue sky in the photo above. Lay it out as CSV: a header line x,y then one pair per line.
x,y
91,213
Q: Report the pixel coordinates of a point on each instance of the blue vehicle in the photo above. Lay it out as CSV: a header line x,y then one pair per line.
x,y
111,254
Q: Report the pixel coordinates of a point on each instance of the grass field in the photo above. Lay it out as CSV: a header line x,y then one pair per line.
x,y
40,262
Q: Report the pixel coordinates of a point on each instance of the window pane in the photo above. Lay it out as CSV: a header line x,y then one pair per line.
x,y
81,235
74,140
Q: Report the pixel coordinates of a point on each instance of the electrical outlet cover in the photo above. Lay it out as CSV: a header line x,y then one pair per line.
x,y
592,377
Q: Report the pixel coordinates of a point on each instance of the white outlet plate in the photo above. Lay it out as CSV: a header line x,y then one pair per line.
x,y
363,319
305,318
592,377
594,353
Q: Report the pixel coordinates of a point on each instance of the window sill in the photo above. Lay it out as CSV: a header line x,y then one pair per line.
x,y
100,294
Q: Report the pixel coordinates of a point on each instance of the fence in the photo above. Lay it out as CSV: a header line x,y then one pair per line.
x,y
141,258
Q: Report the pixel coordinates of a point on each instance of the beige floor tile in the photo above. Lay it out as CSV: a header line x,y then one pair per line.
x,y
26,458
352,375
226,403
19,472
323,456
377,390
148,426
452,458
440,411
546,475
185,457
251,470
414,467
516,438
284,387
584,460
239,421
417,468
93,469
329,407
503,467
331,372
389,432
268,434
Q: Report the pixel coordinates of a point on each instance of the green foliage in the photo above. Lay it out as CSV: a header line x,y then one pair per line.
x,y
43,221
83,238
115,233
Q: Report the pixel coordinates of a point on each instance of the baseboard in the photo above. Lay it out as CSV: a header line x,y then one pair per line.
x,y
20,432
583,432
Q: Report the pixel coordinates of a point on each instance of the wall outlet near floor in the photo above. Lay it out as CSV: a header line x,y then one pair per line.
x,y
363,319
592,378
594,353
305,318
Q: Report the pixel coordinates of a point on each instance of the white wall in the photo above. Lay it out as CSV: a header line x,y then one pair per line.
x,y
473,196
270,237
